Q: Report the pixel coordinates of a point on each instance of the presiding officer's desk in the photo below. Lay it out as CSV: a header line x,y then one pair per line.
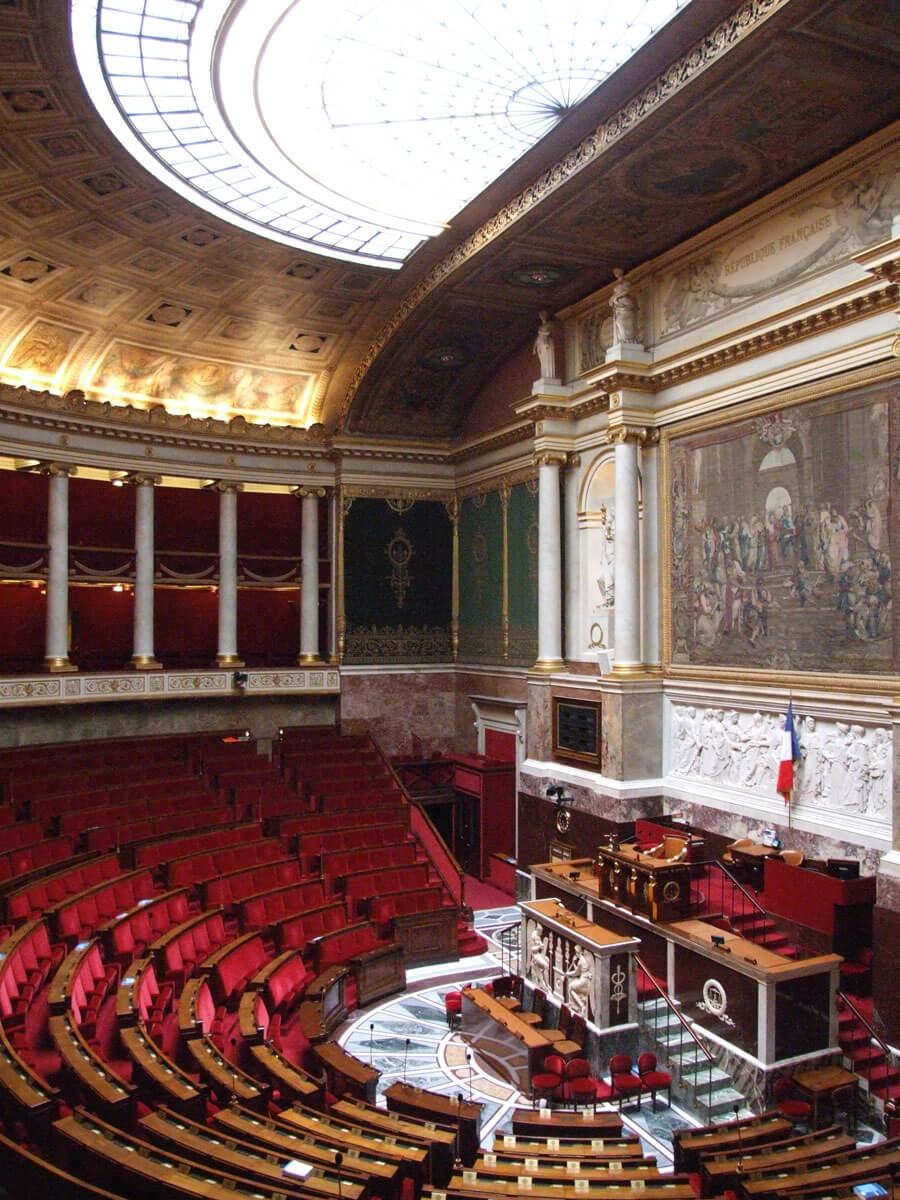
x,y
651,884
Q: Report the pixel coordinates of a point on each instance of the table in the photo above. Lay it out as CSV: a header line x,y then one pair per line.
x,y
411,1101
824,1083
753,857
655,887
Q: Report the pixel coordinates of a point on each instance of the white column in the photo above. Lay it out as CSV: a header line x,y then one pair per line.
x,y
627,611
227,656
309,575
549,564
651,581
56,657
572,641
143,658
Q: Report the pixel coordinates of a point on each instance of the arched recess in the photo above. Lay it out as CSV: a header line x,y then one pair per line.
x,y
596,532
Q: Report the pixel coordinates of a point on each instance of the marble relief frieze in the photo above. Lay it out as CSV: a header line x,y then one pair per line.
x,y
845,767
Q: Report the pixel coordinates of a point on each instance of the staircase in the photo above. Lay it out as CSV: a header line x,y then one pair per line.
x,y
695,1075
863,1050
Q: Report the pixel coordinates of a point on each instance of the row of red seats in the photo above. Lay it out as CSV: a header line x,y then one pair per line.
x,y
50,890
90,983
32,857
153,1001
360,887
345,944
21,833
181,793
76,920
345,802
234,778
228,890
43,790
192,942
30,960
267,801
313,778
196,868
297,931
352,837
285,984
194,813
234,970
74,810
167,850
7,814
312,823
128,937
265,909
349,862
383,909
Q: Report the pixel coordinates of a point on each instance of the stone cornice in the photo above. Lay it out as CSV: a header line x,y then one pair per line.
x,y
709,50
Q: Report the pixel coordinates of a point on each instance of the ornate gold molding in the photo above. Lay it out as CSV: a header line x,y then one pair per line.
x,y
618,434
303,491
54,470
712,47
550,458
223,485
140,479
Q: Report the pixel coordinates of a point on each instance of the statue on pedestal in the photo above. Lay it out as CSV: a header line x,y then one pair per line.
x,y
624,310
544,348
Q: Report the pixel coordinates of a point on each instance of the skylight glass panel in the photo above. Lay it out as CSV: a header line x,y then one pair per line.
x,y
386,118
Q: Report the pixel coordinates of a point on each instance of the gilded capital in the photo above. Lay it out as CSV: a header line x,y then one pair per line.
x,y
628,433
305,490
550,458
223,485
56,469
141,479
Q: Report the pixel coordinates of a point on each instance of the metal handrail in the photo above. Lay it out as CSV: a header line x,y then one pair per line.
x,y
507,948
875,1037
754,904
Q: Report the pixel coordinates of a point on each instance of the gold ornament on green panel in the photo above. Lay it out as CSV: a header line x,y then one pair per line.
x,y
400,551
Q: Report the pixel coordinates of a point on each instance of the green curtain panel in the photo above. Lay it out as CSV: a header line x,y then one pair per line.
x,y
481,578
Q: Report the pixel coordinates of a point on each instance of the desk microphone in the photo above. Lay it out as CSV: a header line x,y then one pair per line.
x,y
405,1052
740,1162
469,1061
338,1160
371,1042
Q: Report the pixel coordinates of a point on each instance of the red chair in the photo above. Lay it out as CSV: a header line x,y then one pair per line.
x,y
625,1084
652,1080
548,1081
795,1110
453,1009
580,1086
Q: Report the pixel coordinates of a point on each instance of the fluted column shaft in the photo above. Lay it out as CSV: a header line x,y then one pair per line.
x,y
143,657
627,612
56,642
549,564
227,655
309,574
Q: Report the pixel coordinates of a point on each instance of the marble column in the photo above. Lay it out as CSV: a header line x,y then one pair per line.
x,y
227,655
627,611
651,582
143,658
549,563
572,642
56,656
309,575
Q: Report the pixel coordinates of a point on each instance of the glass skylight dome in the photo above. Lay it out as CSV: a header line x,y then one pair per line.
x,y
355,130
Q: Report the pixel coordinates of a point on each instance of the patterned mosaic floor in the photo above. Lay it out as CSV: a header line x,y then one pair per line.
x,y
406,1038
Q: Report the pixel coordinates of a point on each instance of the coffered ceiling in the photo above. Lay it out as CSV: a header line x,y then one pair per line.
x,y
112,284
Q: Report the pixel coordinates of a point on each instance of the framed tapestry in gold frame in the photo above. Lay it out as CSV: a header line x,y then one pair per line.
x,y
778,544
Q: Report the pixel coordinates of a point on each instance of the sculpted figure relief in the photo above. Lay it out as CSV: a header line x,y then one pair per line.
x,y
544,348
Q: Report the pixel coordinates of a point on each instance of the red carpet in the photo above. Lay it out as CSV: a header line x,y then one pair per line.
x,y
485,895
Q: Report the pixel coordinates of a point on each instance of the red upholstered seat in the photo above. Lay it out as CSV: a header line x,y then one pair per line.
x,y
580,1085
625,1084
453,1008
653,1080
795,1110
548,1081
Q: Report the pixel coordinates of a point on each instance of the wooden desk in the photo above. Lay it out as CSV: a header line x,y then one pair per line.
x,y
720,1173
656,887
562,1123
290,1080
690,1145
430,1106
672,1187
358,1076
112,1095
863,1164
752,858
559,1170
332,1132
439,1140
165,1078
518,1047
824,1083
507,1146
226,1077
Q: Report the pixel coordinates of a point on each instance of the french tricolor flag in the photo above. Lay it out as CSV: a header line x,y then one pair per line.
x,y
790,753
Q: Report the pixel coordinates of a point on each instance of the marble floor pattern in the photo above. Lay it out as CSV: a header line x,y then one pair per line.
x,y
406,1038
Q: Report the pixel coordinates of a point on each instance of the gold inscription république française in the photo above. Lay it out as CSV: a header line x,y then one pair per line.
x,y
802,233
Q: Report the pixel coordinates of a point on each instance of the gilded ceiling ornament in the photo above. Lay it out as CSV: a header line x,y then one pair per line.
x,y
400,551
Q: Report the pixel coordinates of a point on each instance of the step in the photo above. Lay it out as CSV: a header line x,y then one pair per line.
x,y
701,1081
881,1076
720,1101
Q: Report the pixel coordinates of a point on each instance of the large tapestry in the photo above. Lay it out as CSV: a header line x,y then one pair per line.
x,y
783,536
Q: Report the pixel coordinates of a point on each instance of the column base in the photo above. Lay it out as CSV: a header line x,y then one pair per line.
x,y
630,670
548,665
310,660
228,660
59,665
145,662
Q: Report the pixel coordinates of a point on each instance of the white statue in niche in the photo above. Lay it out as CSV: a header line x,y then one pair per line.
x,y
624,310
581,978
606,579
544,348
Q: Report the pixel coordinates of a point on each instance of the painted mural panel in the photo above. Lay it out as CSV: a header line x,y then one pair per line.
x,y
397,581
783,539
523,572
481,578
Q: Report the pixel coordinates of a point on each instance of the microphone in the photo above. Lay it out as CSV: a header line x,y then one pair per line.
x,y
740,1162
338,1160
469,1061
405,1053
371,1042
